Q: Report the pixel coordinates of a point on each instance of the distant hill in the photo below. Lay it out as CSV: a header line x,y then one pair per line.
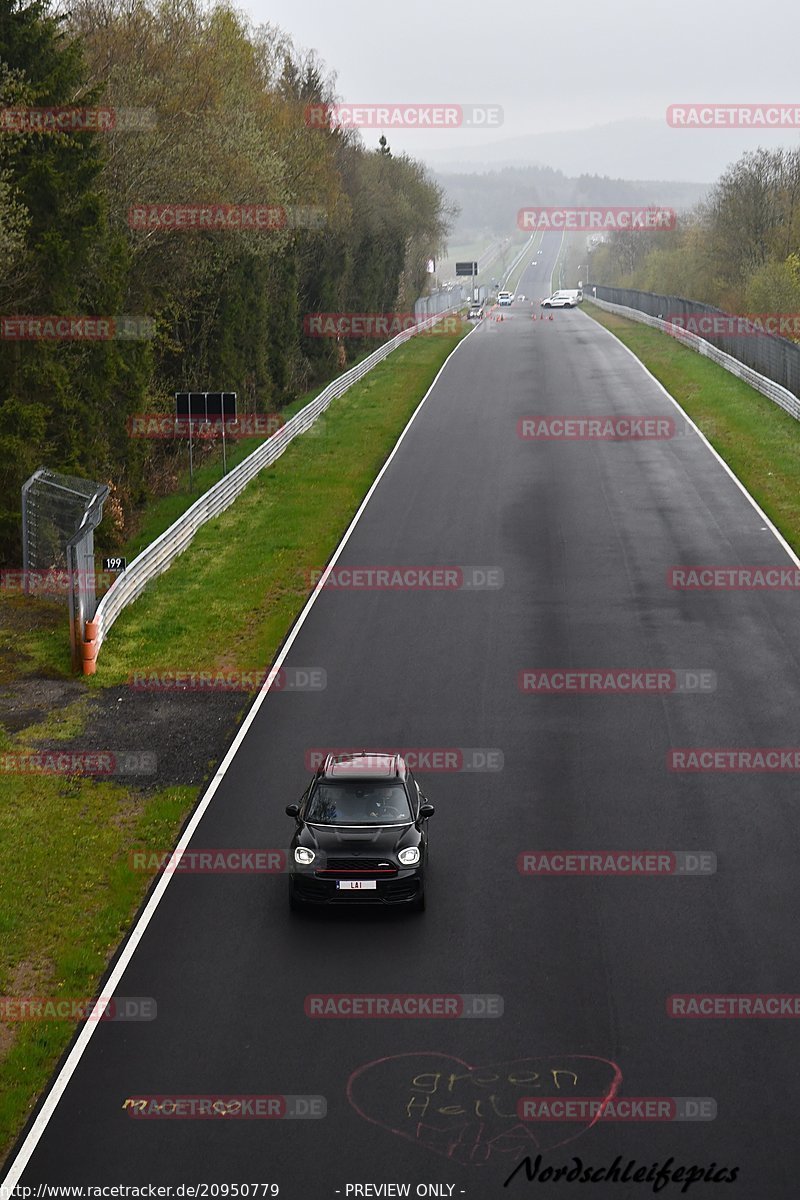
x,y
637,149
490,202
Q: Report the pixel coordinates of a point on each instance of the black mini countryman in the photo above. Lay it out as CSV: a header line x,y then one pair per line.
x,y
362,834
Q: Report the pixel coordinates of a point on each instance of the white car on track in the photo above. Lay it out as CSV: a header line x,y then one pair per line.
x,y
559,300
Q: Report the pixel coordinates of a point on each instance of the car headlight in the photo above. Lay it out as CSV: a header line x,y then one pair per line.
x,y
410,856
303,856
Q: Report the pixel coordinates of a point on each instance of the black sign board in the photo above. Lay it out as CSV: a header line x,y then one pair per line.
x,y
115,564
206,406
466,268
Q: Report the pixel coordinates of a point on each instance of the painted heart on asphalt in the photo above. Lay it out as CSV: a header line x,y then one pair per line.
x,y
469,1114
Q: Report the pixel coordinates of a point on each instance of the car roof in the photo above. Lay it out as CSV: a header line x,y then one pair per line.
x,y
371,764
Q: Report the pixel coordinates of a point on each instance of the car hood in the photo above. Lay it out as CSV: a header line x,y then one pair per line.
x,y
379,839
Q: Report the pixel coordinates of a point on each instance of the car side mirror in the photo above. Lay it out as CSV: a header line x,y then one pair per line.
x,y
293,810
426,810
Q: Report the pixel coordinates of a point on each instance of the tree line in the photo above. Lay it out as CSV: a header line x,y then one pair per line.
x,y
739,249
207,109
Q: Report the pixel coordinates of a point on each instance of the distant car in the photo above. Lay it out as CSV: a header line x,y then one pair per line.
x,y
538,252
361,835
504,298
475,313
559,300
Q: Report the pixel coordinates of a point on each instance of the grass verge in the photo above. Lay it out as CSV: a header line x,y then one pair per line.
x,y
757,439
67,895
162,512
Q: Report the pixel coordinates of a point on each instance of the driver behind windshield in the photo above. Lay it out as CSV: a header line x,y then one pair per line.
x,y
380,802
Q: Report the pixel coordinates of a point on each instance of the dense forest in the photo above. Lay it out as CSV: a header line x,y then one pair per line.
x,y
197,107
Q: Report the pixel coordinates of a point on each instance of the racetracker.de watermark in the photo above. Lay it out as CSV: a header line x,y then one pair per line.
x,y
237,218
734,116
418,1006
733,579
407,578
79,762
286,679
707,325
54,582
30,328
733,759
614,218
77,1008
618,1108
258,861
163,426
389,115
374,324
628,681
77,120
418,758
732,1005
603,429
226,1108
616,862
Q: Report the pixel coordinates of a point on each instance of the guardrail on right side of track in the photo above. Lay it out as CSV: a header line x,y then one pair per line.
x,y
774,391
160,554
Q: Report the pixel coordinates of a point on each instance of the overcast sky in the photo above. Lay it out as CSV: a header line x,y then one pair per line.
x,y
551,66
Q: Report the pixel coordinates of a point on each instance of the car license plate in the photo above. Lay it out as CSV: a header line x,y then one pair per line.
x,y
357,885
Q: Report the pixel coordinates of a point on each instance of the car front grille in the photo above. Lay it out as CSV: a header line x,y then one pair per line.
x,y
358,866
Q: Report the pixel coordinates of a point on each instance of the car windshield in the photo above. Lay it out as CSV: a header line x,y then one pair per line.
x,y
359,802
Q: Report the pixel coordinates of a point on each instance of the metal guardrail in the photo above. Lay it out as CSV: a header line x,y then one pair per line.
x,y
440,301
768,387
159,555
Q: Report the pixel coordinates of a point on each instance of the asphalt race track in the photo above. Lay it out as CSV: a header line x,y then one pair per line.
x,y
584,533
